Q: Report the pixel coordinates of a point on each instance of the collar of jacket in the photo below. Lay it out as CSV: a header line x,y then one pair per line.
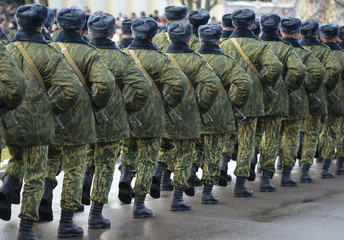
x,y
309,41
104,43
333,46
208,48
142,44
293,41
195,31
179,47
125,42
69,36
243,32
86,39
270,36
31,36
341,44
226,33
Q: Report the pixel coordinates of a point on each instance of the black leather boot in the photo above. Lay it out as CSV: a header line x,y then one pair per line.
x,y
178,203
240,189
318,158
280,160
340,166
223,170
252,176
140,210
81,208
287,180
265,184
166,183
326,173
124,185
86,189
45,209
190,191
305,178
6,194
16,194
208,196
67,228
25,231
197,181
96,219
155,187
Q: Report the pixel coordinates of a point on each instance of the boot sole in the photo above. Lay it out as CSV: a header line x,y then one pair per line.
x,y
177,209
5,210
267,190
306,181
288,185
327,177
210,202
69,235
98,226
243,195
142,216
124,193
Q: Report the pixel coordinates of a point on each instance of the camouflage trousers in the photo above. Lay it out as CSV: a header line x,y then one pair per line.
x,y
270,142
328,137
29,163
230,147
198,153
340,143
310,138
141,154
290,141
54,163
103,160
246,141
166,153
259,133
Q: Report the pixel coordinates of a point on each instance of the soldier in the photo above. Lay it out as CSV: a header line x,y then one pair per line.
x,y
309,31
97,86
102,28
264,69
141,150
256,27
328,137
28,142
232,76
197,17
313,81
227,26
126,34
340,144
290,82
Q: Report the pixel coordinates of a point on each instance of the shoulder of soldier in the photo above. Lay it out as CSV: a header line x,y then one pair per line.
x,y
287,43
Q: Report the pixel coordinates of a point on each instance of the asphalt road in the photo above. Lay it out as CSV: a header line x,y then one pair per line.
x,y
309,211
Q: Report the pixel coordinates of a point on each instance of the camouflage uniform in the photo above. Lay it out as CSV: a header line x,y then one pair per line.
x,y
340,140
270,69
162,40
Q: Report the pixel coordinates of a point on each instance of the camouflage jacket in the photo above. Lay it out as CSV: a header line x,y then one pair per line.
x,y
194,42
264,61
292,78
225,35
126,73
233,78
162,40
79,121
332,67
36,122
165,75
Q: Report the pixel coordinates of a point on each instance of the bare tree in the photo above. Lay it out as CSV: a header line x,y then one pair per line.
x,y
190,4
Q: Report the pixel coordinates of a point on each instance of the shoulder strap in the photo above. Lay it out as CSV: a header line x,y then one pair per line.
x,y
31,64
242,53
139,63
168,37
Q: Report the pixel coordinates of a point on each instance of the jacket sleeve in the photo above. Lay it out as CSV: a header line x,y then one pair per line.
x,y
296,71
315,73
13,82
333,71
271,67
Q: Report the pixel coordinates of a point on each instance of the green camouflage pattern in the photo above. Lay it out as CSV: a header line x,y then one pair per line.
x,y
73,163
79,121
165,75
328,137
290,141
54,163
340,142
36,123
126,72
165,153
206,83
194,42
265,62
128,155
105,155
90,155
237,82
270,142
12,33
246,141
230,140
163,42
259,133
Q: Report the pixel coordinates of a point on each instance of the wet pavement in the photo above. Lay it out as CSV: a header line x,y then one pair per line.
x,y
309,211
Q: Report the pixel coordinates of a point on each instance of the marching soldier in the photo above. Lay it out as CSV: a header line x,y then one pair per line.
x,y
197,17
264,69
256,28
126,34
340,143
227,26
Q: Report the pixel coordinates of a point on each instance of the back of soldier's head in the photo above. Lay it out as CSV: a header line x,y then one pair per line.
x,y
210,33
256,27
144,28
50,18
179,31
290,25
175,13
126,26
341,33
329,31
270,22
243,18
31,16
102,25
198,17
309,28
71,19
227,21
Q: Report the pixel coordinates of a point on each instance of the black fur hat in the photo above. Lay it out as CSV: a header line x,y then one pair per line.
x,y
243,17
144,28
341,33
31,16
126,26
50,19
86,26
101,25
71,18
270,22
309,27
256,27
210,33
198,17
227,20
329,31
175,12
179,31
290,25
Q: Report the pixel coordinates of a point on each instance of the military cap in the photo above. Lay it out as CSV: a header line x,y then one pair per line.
x,y
210,33
144,28
179,31
329,31
31,16
71,18
243,17
126,26
341,33
227,20
198,17
290,25
256,27
309,28
86,26
101,25
50,19
175,12
270,22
